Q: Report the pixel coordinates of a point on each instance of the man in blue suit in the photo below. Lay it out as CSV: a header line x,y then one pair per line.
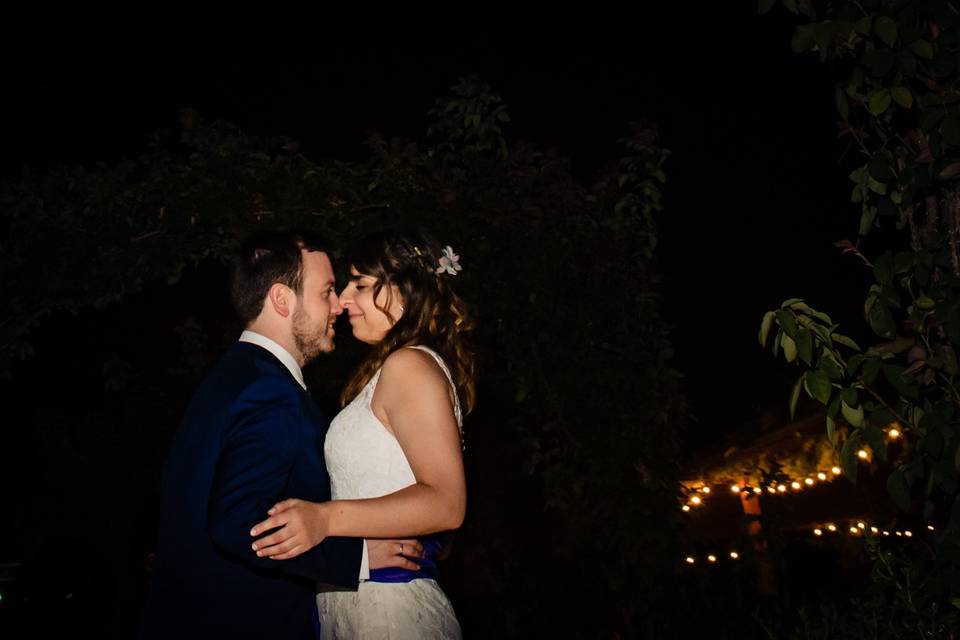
x,y
250,438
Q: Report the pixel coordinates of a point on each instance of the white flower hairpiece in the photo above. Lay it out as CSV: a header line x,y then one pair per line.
x,y
449,262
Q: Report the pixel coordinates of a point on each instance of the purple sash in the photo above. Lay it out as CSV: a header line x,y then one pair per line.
x,y
432,545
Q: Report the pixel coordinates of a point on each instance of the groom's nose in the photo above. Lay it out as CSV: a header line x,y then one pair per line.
x,y
336,307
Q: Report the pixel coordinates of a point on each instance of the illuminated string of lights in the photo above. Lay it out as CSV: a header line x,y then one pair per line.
x,y
696,496
855,528
711,558
861,528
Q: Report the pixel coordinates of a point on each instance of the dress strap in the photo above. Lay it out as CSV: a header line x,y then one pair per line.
x,y
453,387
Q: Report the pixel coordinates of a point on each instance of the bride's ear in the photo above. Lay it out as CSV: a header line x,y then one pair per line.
x,y
281,299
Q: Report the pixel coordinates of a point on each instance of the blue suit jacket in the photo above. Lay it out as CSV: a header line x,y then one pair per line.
x,y
251,437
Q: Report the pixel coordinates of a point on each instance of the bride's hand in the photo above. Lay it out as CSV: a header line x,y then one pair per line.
x,y
303,524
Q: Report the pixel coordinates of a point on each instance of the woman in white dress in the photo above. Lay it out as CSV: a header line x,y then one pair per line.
x,y
394,453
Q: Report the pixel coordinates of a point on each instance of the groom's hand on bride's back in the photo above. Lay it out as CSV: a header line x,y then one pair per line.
x,y
394,553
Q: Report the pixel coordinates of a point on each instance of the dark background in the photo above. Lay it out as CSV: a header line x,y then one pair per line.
x,y
756,193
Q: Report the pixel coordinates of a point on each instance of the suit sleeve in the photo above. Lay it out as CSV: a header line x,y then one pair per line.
x,y
256,460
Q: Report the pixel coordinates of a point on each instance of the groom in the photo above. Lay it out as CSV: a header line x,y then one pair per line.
x,y
250,438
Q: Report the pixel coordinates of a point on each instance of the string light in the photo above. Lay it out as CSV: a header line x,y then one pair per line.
x,y
794,485
696,500
854,530
886,533
735,488
705,489
893,434
909,534
835,471
821,476
862,454
690,560
930,526
831,527
685,507
781,488
898,533
734,555
818,532
861,525
712,558
772,489
808,482
757,490
874,530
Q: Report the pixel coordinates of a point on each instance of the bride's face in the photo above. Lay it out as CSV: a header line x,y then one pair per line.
x,y
369,323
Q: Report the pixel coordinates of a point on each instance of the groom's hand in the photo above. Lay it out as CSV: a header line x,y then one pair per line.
x,y
394,553
303,525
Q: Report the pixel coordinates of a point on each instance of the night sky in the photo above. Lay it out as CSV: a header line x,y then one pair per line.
x,y
757,190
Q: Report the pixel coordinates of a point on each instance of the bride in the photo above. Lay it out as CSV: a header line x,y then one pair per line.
x,y
394,453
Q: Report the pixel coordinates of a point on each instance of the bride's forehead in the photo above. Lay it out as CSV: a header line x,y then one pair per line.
x,y
356,275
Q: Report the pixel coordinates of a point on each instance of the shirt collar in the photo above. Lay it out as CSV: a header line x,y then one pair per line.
x,y
281,354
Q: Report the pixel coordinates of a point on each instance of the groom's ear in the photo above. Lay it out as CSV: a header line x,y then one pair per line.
x,y
282,299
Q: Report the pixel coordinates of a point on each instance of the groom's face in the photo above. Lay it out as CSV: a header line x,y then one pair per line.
x,y
317,307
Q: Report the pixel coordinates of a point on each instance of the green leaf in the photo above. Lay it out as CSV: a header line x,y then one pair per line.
x,y
833,409
805,346
879,102
881,321
876,186
866,220
902,96
949,171
849,395
845,341
822,317
790,301
906,385
789,348
871,369
899,489
923,49
883,269
795,396
862,26
788,321
854,416
925,303
765,327
876,438
853,364
903,262
843,107
886,30
818,385
829,366
848,456
832,430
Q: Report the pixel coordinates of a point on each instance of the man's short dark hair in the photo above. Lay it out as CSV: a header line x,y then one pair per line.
x,y
265,260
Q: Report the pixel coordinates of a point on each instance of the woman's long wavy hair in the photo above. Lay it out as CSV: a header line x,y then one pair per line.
x,y
433,315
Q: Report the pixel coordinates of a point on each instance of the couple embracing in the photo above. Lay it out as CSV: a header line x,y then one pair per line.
x,y
274,524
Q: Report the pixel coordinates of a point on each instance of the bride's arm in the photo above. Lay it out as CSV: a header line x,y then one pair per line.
x,y
413,399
